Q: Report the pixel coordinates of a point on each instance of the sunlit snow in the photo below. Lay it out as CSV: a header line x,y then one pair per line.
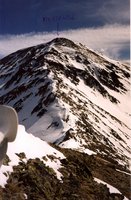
x,y
33,147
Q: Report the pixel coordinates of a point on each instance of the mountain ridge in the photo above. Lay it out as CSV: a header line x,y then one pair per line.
x,y
56,75
69,95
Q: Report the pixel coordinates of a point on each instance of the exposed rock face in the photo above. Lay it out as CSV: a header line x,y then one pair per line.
x,y
69,95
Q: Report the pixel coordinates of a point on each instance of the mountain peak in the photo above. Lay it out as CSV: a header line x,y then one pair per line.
x,y
61,86
72,97
62,41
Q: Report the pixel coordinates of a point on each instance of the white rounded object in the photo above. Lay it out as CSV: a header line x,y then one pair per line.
x,y
8,128
8,123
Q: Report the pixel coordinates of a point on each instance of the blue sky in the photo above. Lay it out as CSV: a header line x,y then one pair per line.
x,y
18,17
24,16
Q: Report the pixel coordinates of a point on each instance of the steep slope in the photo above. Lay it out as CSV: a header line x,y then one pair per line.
x,y
67,94
35,170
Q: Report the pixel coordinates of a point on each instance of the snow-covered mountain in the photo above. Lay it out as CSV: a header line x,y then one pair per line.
x,y
73,97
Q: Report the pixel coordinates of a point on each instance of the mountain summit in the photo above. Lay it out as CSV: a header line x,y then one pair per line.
x,y
71,96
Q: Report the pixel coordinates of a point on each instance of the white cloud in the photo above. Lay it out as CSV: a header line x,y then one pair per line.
x,y
111,39
115,11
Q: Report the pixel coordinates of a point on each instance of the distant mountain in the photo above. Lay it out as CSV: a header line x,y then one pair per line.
x,y
78,100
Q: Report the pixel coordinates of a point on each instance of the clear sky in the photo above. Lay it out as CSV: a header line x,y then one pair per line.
x,y
24,17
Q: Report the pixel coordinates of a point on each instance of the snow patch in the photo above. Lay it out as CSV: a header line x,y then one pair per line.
x,y
111,188
33,147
